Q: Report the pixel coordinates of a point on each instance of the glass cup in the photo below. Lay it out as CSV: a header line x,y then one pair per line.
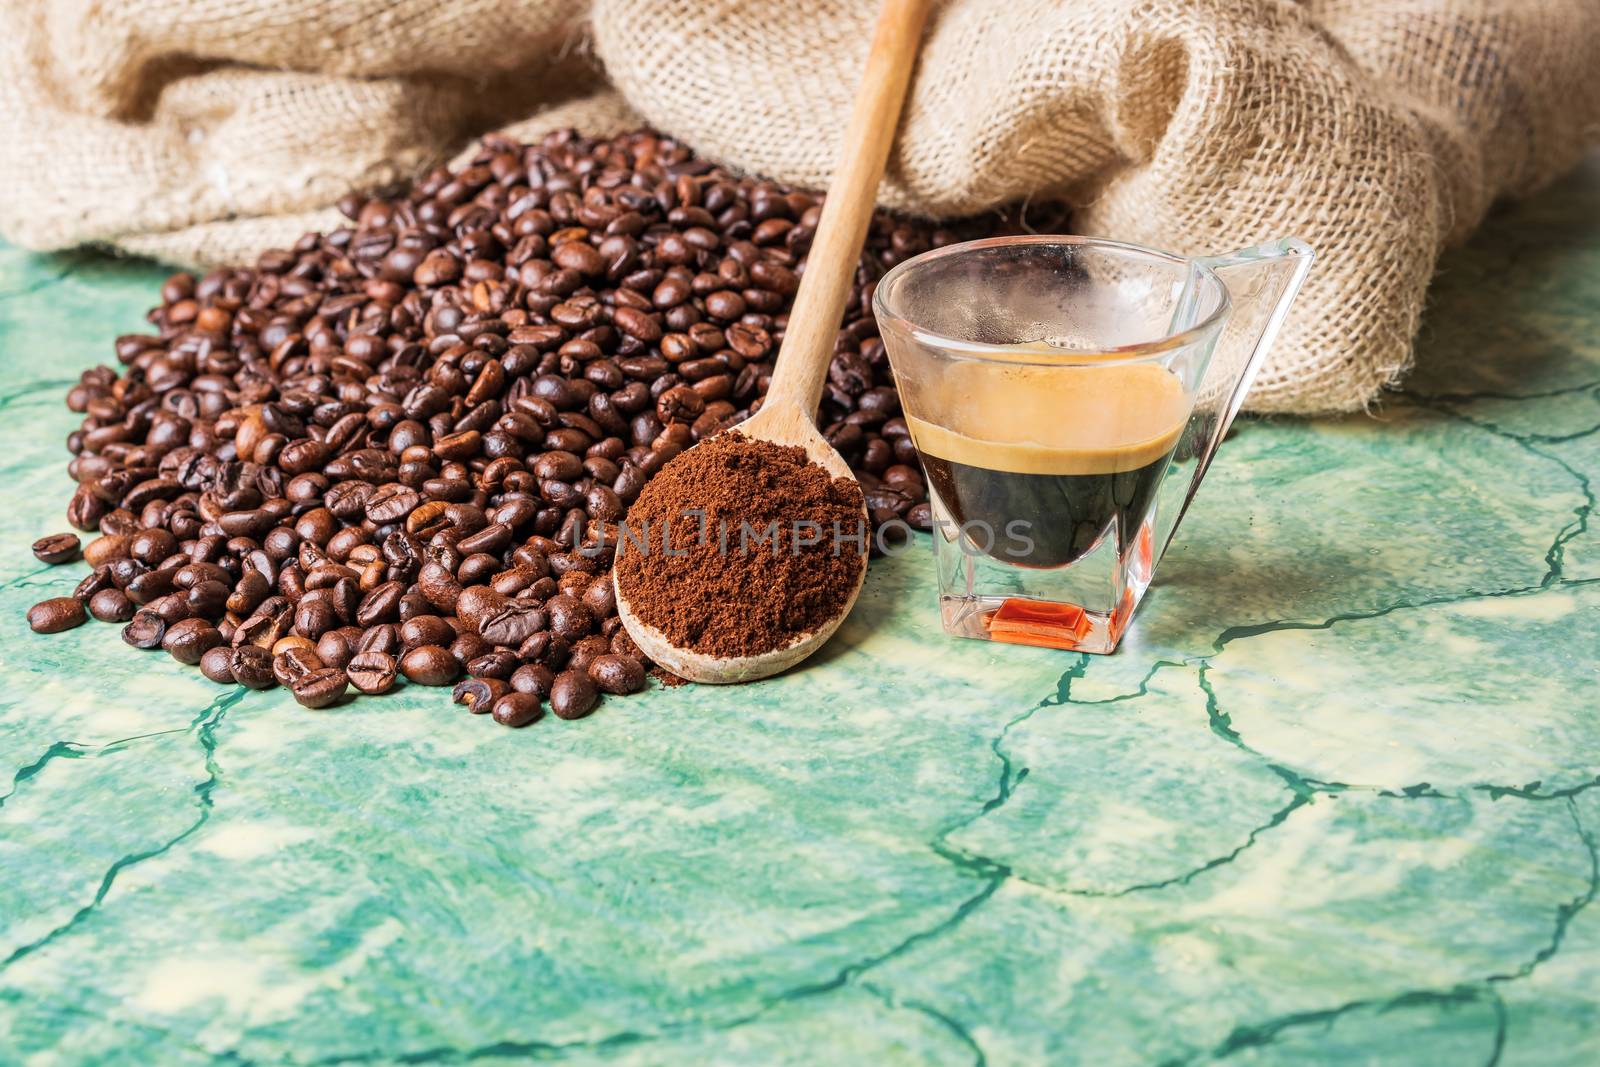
x,y
1067,395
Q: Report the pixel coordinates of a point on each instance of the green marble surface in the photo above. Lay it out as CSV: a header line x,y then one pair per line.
x,y
1333,802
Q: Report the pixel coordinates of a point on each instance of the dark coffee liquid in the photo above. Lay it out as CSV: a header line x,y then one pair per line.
x,y
1063,515
1039,463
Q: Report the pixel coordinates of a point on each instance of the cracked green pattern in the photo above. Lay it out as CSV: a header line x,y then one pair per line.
x,y
1333,803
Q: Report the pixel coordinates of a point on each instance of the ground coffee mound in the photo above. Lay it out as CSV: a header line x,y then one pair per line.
x,y
740,546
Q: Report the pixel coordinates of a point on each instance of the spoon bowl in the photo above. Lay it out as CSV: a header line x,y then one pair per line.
x,y
781,424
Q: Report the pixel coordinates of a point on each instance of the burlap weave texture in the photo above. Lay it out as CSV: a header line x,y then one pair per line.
x,y
1379,132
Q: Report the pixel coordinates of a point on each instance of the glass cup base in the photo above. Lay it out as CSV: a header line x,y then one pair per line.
x,y
1082,607
1016,620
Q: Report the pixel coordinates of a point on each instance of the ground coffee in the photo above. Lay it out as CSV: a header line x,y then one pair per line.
x,y
740,546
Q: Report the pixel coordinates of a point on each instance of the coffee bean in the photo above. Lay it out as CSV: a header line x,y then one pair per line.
x,y
172,609
56,614
105,548
336,647
569,617
294,643
517,709
426,630
372,672
512,624
468,647
94,582
189,639
479,694
499,663
381,604
252,667
429,665
533,678
147,585
586,650
391,503
601,599
384,637
619,675
439,586
152,546
207,599
293,663
145,630
111,605
57,548
85,509
320,688
573,695
217,664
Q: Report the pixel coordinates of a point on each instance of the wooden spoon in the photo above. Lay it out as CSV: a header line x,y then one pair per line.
x,y
789,408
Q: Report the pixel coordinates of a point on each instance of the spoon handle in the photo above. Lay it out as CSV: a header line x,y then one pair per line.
x,y
802,365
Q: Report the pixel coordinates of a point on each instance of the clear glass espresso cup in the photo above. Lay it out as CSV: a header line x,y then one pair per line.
x,y
1067,395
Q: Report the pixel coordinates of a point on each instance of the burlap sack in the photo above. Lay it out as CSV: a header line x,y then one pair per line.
x,y
206,131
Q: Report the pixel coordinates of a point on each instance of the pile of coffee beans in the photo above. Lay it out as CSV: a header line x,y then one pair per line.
x,y
393,451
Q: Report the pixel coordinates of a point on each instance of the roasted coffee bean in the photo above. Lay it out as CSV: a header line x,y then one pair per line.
x,y
600,598
252,667
623,645
586,650
533,678
439,585
189,639
512,624
293,662
372,672
267,626
217,664
468,647
94,582
426,630
619,675
517,709
106,548
429,665
573,695
498,663
314,617
145,630
57,548
380,604
56,614
479,694
152,546
85,510
381,638
477,603
111,605
320,688
569,617
207,599
172,609
336,647
391,503
148,585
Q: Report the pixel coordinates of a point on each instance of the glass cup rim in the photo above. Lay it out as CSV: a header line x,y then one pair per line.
x,y
1131,353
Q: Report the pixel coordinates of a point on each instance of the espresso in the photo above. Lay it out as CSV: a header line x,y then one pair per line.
x,y
1039,463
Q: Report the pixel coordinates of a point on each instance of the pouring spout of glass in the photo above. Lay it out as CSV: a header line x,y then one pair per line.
x,y
1261,282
